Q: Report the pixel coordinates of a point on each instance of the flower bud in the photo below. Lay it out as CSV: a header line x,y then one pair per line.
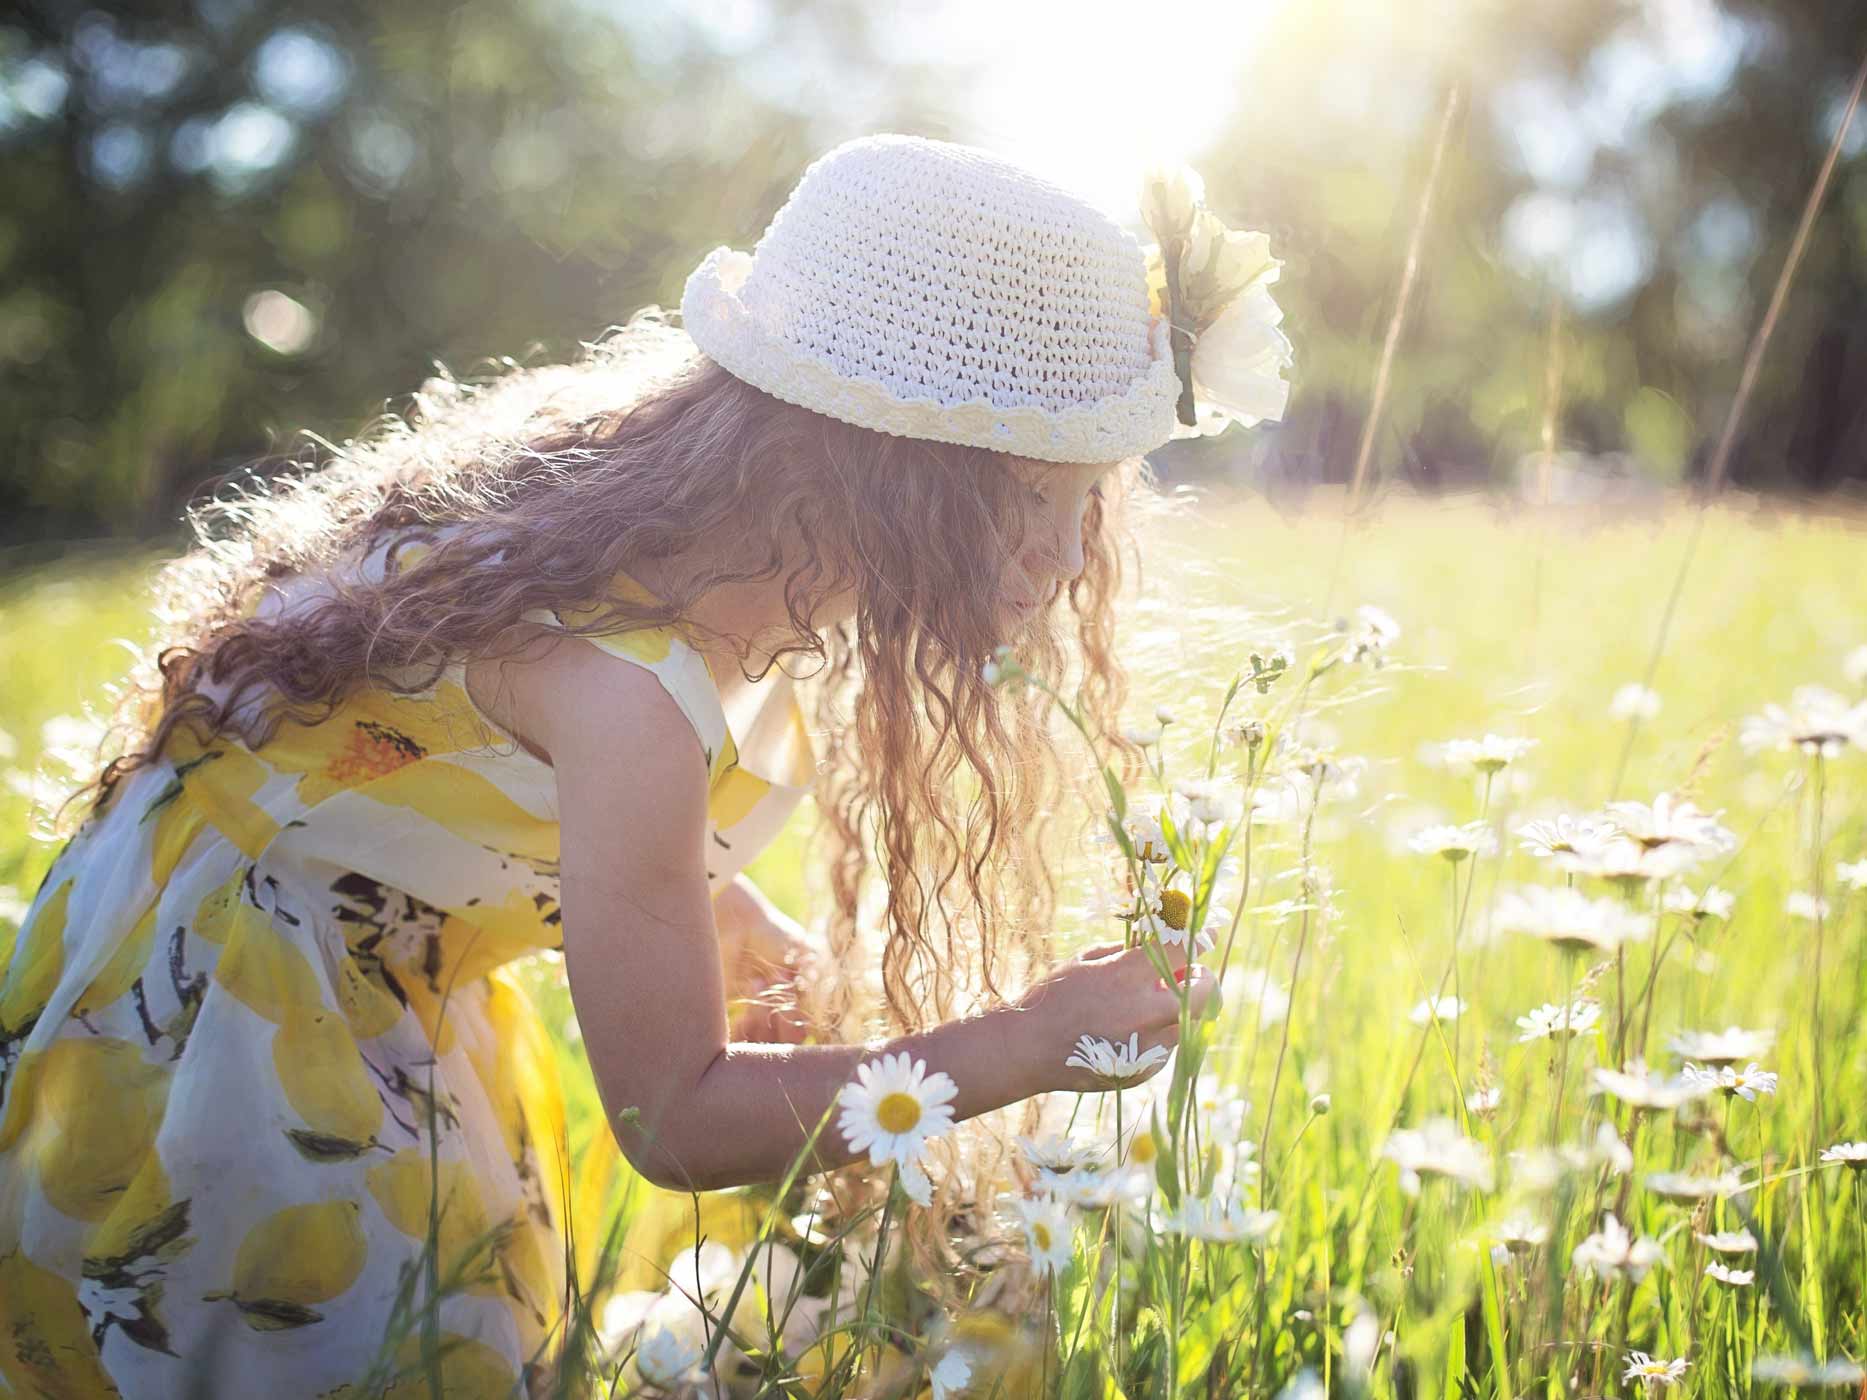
x,y
1319,1105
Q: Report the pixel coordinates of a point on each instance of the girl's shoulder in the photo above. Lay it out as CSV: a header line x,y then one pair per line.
x,y
678,667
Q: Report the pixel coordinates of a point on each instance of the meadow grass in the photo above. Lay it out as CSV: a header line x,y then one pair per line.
x,y
1519,623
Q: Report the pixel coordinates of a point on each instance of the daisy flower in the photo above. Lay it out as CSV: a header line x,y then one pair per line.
x,y
1055,1152
1641,1367
1853,876
1168,915
1634,701
1519,1234
1816,722
1484,1102
916,1185
1113,1063
1805,1372
1607,1150
1564,840
1569,919
1684,1186
1549,1020
1455,843
1668,821
1728,1242
1489,755
1724,1273
1747,1083
1221,1111
1722,1047
1213,803
1048,1232
1803,905
1636,1086
1219,1222
667,1358
1436,1009
1713,904
1102,1190
952,1375
1628,863
1850,1154
1440,1149
1611,1252
893,1107
1373,633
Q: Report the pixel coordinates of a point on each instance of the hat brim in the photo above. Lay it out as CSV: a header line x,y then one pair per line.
x,y
1108,430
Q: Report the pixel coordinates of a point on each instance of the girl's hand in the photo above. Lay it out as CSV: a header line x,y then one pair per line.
x,y
762,990
764,954
1111,993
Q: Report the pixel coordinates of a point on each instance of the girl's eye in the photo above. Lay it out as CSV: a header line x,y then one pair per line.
x,y
1096,490
1040,497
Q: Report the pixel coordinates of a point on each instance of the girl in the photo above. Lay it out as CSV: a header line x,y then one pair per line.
x,y
516,675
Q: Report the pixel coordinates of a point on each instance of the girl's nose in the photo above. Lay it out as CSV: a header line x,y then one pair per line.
x,y
1069,558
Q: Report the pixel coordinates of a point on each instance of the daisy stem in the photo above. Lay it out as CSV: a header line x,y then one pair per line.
x,y
1661,949
1115,1219
1562,1052
881,1249
1815,982
1620,1006
1860,1232
1283,1045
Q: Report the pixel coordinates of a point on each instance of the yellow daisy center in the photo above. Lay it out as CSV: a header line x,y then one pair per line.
x,y
1176,907
898,1112
1141,1150
1040,1234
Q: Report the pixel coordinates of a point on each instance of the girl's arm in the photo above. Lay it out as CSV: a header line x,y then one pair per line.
x,y
690,1109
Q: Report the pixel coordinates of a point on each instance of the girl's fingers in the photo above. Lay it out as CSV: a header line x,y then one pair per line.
x,y
1162,998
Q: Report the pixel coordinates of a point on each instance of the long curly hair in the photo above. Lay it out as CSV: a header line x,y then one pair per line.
x,y
937,793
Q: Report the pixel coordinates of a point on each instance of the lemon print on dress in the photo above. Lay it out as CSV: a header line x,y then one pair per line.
x,y
219,907
101,1104
326,1081
367,1004
120,973
33,969
45,1338
144,1221
470,1370
376,733
406,1188
263,969
293,1259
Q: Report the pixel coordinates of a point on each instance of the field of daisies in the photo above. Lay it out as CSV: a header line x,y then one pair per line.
x,y
1531,850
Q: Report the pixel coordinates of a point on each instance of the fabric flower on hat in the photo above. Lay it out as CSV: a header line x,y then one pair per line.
x,y
1211,284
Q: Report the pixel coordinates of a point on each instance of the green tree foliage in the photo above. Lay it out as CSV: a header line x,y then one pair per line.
x,y
224,218
1635,168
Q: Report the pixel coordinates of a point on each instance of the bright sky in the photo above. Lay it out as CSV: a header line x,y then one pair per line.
x,y
1063,86
1089,93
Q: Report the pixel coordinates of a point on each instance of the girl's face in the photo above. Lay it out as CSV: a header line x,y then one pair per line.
x,y
1058,497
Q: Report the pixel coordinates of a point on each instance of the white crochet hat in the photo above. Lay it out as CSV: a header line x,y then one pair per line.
x,y
937,291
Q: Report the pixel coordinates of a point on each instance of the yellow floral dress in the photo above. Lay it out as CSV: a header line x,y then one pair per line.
x,y
259,1017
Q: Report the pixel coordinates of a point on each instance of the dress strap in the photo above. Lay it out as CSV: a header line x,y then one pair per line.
x,y
682,671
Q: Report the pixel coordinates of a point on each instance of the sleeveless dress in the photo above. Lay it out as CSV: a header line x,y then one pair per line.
x,y
260,1019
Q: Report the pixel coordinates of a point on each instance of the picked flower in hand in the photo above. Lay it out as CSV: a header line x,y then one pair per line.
x,y
1212,284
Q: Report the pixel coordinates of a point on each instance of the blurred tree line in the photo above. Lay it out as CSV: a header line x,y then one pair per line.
x,y
225,220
